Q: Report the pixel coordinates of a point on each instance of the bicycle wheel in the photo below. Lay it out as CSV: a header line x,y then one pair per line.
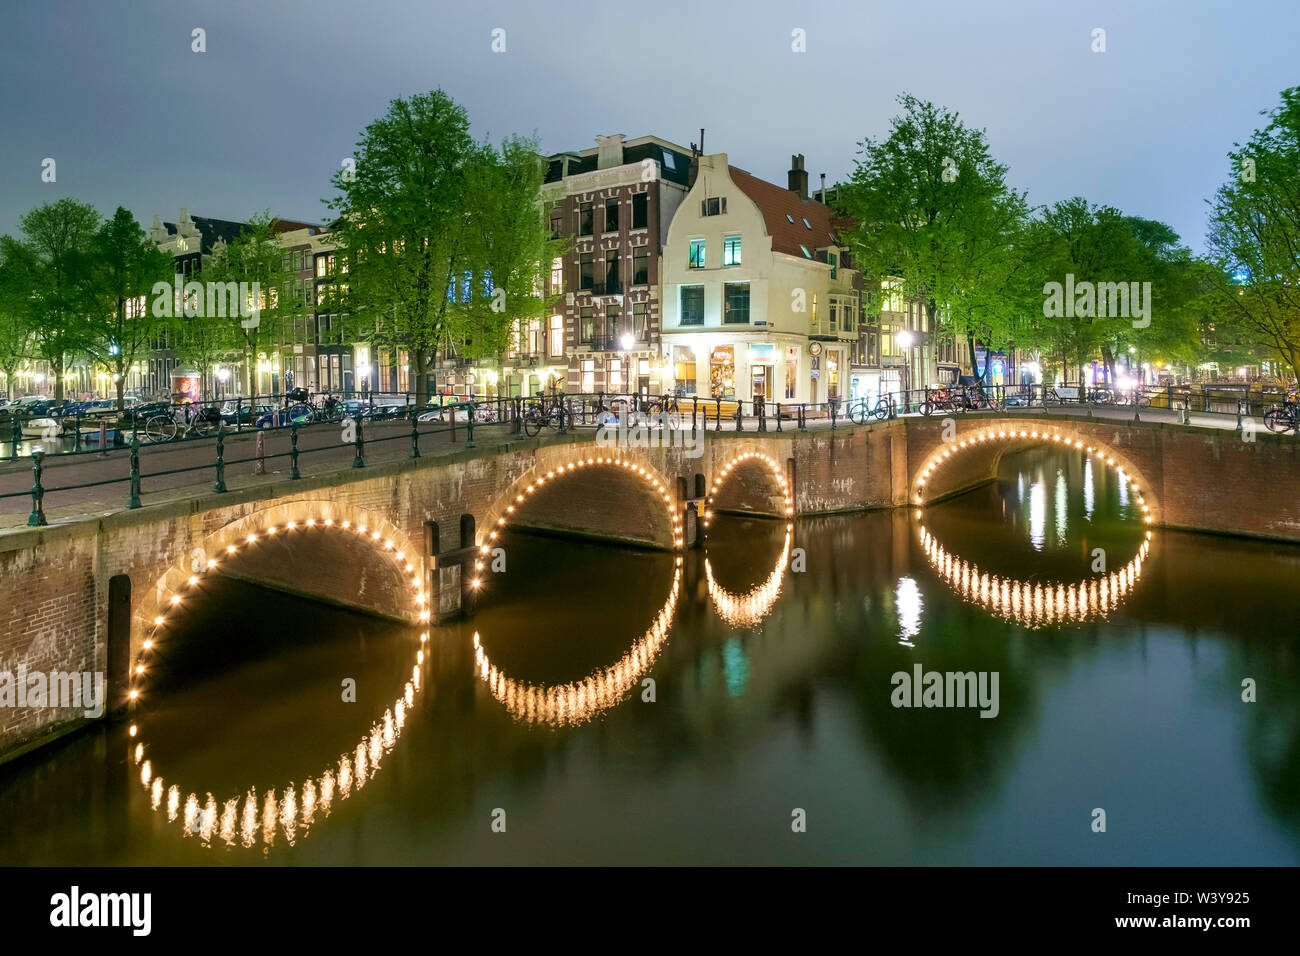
x,y
925,408
160,428
1277,420
203,427
557,418
533,422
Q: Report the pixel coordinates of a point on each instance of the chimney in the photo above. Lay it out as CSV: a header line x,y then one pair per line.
x,y
822,197
609,151
696,152
798,177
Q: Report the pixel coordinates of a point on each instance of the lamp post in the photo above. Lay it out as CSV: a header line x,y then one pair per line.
x,y
904,339
627,341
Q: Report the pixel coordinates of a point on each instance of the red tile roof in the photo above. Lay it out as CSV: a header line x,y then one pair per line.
x,y
784,213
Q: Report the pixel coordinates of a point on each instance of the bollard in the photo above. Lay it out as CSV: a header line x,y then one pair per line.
x,y
15,437
294,473
133,501
37,518
219,486
259,466
103,437
359,461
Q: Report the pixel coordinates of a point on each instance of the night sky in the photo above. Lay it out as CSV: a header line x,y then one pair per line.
x,y
112,91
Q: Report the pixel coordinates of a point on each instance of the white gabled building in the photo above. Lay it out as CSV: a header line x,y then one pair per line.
x,y
756,298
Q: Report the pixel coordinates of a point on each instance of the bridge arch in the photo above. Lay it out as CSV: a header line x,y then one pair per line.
x,y
151,621
751,458
570,461
972,456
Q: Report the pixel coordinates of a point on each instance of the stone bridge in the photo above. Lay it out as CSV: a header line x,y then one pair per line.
x,y
415,540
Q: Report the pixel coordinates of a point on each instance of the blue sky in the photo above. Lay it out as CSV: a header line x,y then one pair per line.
x,y
112,91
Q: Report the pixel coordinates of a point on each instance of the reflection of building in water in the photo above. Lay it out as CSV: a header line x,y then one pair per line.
x,y
748,609
577,702
293,809
1035,604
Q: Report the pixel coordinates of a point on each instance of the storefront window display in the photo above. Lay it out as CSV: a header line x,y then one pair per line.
x,y
722,372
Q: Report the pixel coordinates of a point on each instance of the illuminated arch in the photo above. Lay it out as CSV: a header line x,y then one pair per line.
x,y
760,458
297,806
252,530
524,487
749,609
985,435
577,702
1035,604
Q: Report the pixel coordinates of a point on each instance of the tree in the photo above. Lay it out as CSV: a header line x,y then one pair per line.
x,y
120,324
1254,235
431,226
15,311
932,208
58,236
253,258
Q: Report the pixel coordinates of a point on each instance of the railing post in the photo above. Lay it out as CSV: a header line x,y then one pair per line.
x,y
219,486
695,408
359,461
835,407
803,417
15,437
37,518
762,416
469,425
415,434
740,415
133,501
294,473
717,415
76,427
778,416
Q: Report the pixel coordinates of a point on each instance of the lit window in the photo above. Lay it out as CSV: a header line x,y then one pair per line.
x,y
697,254
805,251
731,251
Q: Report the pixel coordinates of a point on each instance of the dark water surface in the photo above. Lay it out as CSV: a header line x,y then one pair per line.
x,y
1120,663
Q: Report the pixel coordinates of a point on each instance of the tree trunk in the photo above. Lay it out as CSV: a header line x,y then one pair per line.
x,y
970,347
421,390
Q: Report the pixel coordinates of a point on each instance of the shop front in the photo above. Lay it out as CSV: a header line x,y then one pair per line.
x,y
722,371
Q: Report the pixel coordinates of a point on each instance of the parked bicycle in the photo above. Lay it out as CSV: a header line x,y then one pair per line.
x,y
195,423
945,398
543,414
860,413
1284,417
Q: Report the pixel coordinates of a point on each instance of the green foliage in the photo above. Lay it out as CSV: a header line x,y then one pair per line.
x,y
1254,233
932,208
119,325
430,225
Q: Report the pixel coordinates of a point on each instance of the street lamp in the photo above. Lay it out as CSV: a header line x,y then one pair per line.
x,y
627,341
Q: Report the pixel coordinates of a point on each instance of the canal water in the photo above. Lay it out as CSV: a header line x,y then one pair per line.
x,y
614,706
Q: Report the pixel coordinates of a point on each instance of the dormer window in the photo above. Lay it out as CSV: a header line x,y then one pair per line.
x,y
807,225
713,207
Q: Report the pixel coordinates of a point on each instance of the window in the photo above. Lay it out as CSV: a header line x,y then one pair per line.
x,y
320,267
806,253
640,311
835,313
613,318
791,370
834,260
735,302
589,375
670,161
692,305
641,266
586,324
557,276
586,270
713,207
806,225
615,375
612,283
557,226
556,341
789,218
535,336
697,254
586,219
640,211
611,215
684,369
731,251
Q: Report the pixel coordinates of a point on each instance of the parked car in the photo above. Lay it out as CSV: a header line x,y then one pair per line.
x,y
245,414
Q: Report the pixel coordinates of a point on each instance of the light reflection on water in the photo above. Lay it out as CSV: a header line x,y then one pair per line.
x,y
773,691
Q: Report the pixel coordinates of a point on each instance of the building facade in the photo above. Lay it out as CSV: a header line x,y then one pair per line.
x,y
759,301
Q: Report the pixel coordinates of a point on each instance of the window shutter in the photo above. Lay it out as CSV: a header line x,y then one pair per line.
x,y
704,207
724,205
